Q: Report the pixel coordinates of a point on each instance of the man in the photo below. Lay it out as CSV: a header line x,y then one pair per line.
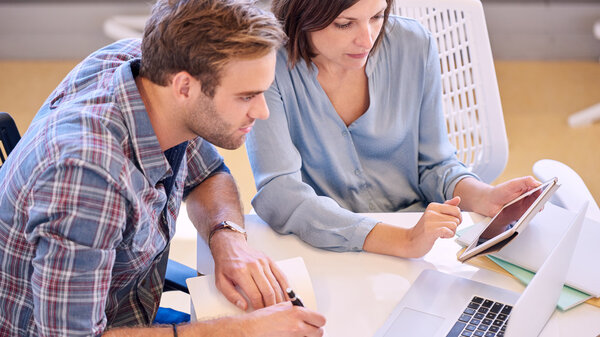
x,y
89,197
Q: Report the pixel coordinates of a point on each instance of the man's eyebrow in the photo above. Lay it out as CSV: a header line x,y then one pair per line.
x,y
250,93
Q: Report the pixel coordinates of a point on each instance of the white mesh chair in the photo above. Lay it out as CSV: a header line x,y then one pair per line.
x,y
471,98
469,89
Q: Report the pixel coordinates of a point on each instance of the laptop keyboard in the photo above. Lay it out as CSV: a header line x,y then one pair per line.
x,y
482,318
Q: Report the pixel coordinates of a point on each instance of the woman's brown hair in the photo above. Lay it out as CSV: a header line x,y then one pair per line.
x,y
300,17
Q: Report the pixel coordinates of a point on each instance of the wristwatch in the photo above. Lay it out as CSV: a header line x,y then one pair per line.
x,y
229,225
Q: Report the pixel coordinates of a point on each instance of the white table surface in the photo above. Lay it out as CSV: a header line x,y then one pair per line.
x,y
356,291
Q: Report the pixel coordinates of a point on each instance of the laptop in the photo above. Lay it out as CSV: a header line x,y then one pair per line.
x,y
439,304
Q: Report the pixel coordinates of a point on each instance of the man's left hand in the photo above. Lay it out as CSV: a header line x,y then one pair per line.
x,y
240,267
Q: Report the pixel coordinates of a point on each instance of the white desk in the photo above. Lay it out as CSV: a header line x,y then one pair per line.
x,y
357,291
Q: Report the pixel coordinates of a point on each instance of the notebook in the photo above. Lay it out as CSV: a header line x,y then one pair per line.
x,y
438,304
210,303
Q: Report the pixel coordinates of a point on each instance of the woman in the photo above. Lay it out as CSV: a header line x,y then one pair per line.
x,y
356,125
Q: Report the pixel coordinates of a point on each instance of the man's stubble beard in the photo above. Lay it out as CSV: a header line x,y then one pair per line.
x,y
206,123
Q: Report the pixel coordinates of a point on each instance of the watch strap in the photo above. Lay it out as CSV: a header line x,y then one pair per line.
x,y
228,226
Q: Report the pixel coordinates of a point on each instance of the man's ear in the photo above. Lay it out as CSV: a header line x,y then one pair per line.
x,y
183,84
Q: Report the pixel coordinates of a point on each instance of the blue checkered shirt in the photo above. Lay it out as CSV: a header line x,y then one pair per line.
x,y
84,218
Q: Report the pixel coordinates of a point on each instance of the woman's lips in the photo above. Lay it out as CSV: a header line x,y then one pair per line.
x,y
359,56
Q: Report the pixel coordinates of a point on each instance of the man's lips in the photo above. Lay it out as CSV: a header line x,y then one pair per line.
x,y
247,128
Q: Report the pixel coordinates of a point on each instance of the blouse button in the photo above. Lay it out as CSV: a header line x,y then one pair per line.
x,y
357,172
344,133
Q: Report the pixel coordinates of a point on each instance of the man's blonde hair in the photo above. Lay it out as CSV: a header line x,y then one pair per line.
x,y
201,36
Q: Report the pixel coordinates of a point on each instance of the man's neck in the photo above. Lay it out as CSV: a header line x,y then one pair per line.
x,y
165,124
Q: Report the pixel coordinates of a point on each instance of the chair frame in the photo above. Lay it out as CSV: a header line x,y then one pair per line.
x,y
470,95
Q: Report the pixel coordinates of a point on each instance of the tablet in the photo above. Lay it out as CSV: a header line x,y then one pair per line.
x,y
510,221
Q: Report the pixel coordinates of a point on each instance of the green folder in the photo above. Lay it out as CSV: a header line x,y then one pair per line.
x,y
569,297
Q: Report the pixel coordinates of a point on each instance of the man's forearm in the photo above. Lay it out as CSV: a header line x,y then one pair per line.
x,y
166,331
214,200
227,326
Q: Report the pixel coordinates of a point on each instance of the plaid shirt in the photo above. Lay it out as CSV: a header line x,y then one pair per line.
x,y
82,200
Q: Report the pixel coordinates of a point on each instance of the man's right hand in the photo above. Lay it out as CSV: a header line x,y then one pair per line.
x,y
283,319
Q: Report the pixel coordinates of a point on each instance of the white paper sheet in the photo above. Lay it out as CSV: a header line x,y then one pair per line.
x,y
210,303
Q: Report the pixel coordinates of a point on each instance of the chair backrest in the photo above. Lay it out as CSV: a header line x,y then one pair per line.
x,y
9,135
469,88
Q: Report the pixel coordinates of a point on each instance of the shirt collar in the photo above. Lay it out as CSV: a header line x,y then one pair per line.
x,y
314,70
145,146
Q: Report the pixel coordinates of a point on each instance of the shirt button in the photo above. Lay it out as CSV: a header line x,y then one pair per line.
x,y
344,133
357,172
371,206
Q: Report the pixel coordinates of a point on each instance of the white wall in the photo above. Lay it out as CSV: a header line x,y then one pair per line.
x,y
543,31
57,30
534,29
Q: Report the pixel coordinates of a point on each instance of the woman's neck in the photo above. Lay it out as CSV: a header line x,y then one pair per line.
x,y
347,90
333,71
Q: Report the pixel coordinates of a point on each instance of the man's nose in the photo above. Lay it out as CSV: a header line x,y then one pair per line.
x,y
259,109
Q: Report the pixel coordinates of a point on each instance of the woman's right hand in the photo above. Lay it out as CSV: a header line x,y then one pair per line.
x,y
438,221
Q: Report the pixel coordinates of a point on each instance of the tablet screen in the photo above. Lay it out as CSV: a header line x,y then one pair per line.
x,y
510,215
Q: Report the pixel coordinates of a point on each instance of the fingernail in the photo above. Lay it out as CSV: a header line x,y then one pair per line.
x,y
240,304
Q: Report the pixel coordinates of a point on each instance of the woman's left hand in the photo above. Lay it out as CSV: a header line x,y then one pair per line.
x,y
501,194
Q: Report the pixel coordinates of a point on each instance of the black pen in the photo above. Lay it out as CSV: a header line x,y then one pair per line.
x,y
295,300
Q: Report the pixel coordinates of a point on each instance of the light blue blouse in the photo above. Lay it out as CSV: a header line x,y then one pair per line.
x,y
313,174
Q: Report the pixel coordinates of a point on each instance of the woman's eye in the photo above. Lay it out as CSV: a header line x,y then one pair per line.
x,y
343,26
